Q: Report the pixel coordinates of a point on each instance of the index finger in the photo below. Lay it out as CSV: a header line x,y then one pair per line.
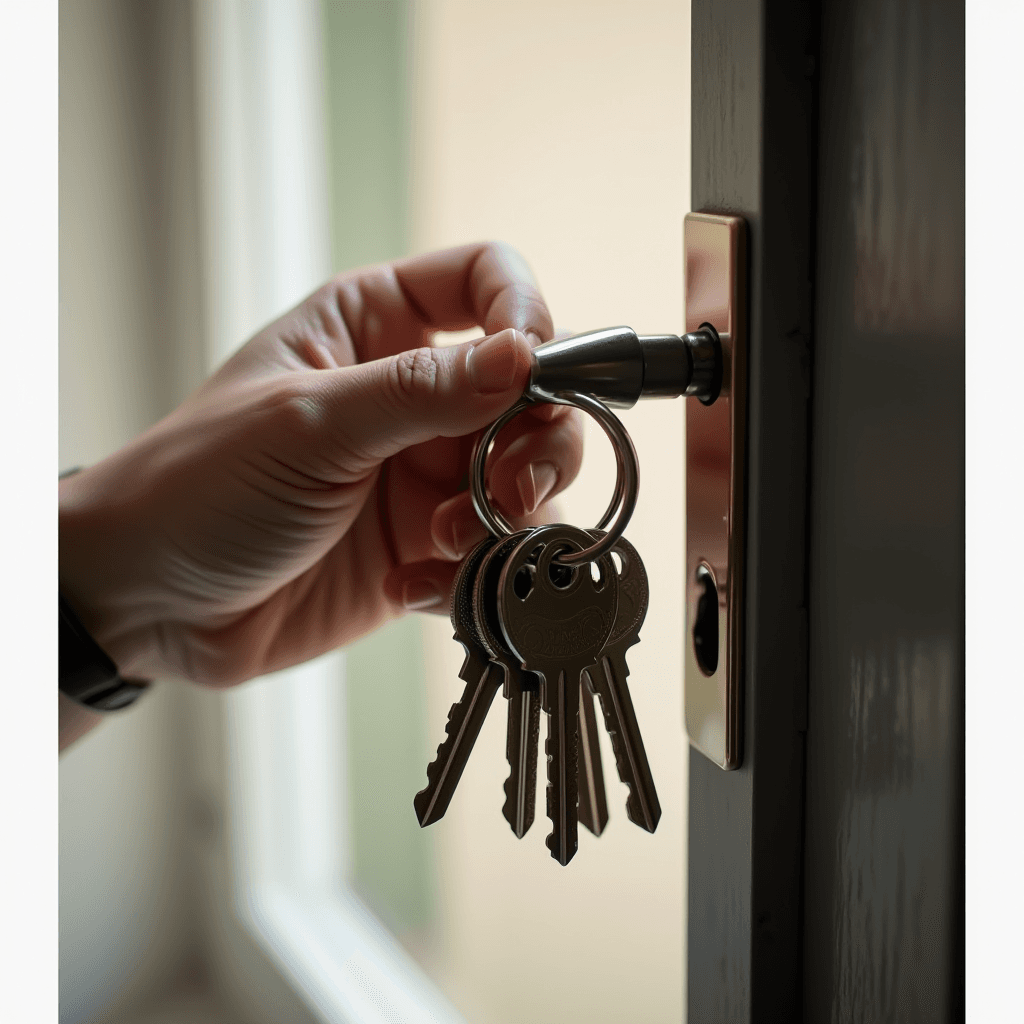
x,y
487,284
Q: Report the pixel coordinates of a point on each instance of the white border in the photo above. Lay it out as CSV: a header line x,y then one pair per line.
x,y
995,507
28,279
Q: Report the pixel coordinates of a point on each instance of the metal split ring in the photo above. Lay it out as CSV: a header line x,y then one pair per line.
x,y
627,475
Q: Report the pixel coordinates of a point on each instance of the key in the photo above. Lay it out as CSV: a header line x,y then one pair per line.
x,y
593,801
466,717
521,688
607,678
556,620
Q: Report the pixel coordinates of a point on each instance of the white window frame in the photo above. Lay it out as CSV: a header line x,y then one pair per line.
x,y
286,938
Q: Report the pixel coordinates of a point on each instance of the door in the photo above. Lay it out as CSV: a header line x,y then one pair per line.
x,y
826,872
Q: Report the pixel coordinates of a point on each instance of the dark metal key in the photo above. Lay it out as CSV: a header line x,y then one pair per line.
x,y
521,688
466,717
607,678
593,801
557,619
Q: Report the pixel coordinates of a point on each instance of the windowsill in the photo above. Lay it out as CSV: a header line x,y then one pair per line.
x,y
340,959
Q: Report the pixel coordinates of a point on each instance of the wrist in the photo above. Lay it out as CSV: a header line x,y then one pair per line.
x,y
96,560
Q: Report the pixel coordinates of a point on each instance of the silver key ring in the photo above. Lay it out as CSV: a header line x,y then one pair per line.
x,y
627,476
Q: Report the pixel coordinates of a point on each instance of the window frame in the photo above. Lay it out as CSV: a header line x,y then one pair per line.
x,y
286,937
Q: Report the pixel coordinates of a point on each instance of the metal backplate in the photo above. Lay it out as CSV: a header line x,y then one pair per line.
x,y
714,270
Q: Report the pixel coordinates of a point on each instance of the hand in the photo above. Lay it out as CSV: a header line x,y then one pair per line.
x,y
315,485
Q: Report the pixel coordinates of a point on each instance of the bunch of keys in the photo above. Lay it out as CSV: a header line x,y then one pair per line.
x,y
547,615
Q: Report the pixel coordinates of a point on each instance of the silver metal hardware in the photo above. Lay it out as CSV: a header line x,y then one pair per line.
x,y
619,367
627,483
715,457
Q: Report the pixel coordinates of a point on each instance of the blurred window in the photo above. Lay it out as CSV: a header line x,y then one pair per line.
x,y
563,128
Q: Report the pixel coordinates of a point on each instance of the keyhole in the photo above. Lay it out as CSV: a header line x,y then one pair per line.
x,y
705,628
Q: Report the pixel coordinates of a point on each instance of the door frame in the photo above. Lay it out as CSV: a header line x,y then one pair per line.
x,y
754,116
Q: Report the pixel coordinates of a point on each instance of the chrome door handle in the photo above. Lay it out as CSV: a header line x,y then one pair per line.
x,y
619,367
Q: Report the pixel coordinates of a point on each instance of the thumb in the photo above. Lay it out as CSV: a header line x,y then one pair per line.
x,y
376,409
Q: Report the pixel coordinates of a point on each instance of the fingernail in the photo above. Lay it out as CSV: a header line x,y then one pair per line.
x,y
533,338
535,482
420,594
491,365
466,534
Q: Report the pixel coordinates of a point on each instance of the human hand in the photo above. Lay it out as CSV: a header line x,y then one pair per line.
x,y
315,485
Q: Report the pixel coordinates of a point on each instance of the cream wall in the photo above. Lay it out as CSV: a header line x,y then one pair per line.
x,y
563,127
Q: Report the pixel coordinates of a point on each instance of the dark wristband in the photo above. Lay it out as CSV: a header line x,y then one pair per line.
x,y
87,673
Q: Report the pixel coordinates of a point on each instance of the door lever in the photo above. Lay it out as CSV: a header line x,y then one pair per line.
x,y
619,367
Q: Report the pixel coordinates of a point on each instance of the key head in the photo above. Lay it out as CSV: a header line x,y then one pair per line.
x,y
634,591
556,618
486,616
484,596
462,611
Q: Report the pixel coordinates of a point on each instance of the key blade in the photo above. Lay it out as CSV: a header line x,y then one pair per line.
x,y
557,620
475,662
609,679
593,801
561,749
465,720
521,749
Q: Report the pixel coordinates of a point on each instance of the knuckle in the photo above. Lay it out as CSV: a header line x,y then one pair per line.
x,y
414,375
297,409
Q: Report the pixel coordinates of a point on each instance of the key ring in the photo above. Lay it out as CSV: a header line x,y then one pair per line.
x,y
627,475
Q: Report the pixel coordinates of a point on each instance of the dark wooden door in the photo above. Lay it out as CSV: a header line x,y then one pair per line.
x,y
826,874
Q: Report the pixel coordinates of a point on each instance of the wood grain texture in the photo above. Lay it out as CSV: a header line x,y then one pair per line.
x,y
753,126
884,819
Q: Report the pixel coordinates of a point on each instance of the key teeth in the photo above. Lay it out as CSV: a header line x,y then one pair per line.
x,y
508,810
530,742
455,717
472,666
634,809
635,815
551,842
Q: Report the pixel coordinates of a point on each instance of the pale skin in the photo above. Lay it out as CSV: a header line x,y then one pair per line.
x,y
315,486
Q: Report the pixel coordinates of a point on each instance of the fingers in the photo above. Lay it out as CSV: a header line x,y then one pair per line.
x,y
487,284
534,467
361,415
421,586
379,311
383,310
537,465
426,585
455,528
